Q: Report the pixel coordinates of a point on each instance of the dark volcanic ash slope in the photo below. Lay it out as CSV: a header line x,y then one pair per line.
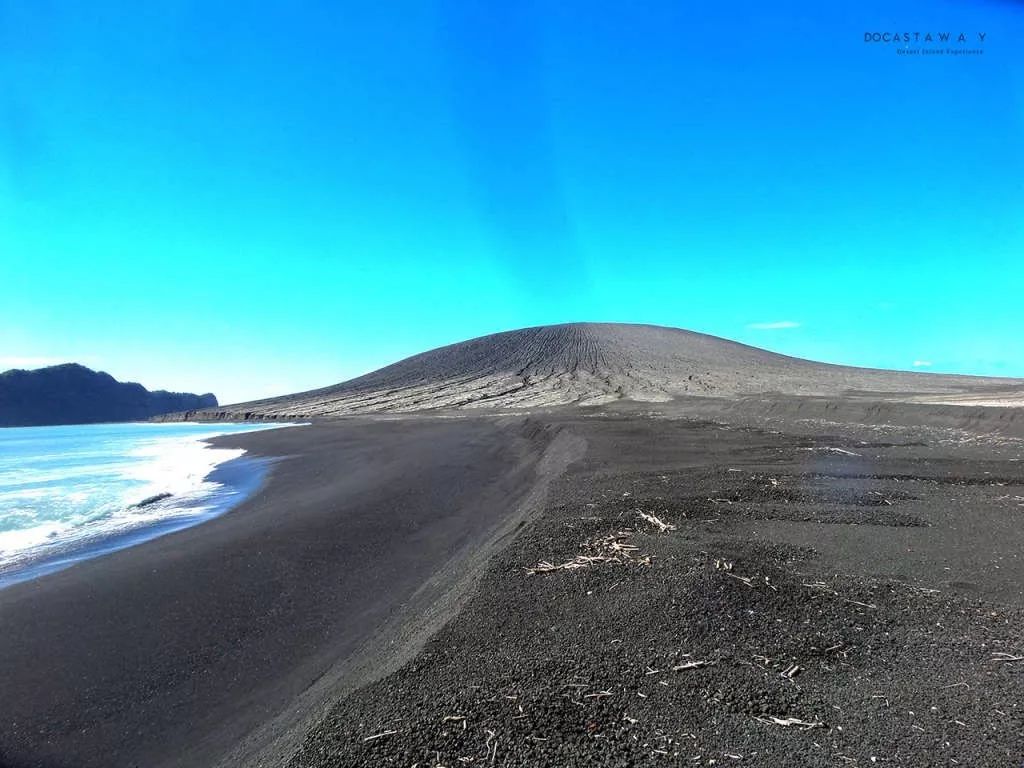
x,y
74,394
592,363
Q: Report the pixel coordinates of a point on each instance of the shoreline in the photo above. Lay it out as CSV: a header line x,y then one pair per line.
x,y
237,478
217,642
240,477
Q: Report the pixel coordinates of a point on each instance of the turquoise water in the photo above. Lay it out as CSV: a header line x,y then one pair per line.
x,y
70,492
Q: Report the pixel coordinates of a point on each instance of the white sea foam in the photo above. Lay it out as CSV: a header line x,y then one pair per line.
x,y
69,489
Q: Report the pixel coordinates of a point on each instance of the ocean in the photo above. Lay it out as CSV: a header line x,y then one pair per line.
x,y
72,492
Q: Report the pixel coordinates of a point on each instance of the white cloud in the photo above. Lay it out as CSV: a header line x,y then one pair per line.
x,y
778,325
922,363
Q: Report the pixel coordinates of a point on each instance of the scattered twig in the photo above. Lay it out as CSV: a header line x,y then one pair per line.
x,y
614,548
1007,657
379,735
745,579
616,544
580,561
492,750
829,449
921,590
872,606
786,722
821,585
455,719
657,522
691,665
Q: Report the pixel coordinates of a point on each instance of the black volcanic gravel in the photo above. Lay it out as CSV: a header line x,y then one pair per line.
x,y
794,660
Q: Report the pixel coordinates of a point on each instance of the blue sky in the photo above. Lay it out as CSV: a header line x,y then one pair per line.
x,y
262,199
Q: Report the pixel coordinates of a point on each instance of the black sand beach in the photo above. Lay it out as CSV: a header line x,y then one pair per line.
x,y
819,594
836,599
202,644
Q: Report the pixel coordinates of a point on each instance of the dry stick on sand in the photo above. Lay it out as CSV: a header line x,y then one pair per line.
x,y
829,449
580,561
615,544
745,579
455,719
821,585
657,522
492,744
786,722
872,606
726,566
691,665
842,451
1008,657
614,548
379,735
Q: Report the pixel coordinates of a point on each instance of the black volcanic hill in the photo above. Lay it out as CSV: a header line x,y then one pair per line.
x,y
74,394
594,363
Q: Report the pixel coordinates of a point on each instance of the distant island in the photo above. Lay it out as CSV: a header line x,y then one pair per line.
x,y
74,394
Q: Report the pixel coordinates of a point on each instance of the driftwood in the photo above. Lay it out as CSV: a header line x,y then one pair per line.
x,y
787,722
657,522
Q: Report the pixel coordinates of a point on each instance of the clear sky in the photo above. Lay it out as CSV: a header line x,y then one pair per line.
x,y
261,198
